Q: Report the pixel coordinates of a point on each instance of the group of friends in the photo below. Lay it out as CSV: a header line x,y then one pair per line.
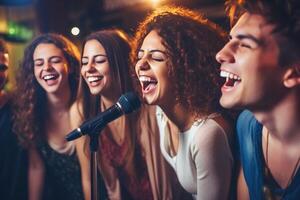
x,y
220,114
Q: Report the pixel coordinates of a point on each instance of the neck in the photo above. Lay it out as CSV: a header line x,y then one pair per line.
x,y
59,103
283,120
108,101
180,116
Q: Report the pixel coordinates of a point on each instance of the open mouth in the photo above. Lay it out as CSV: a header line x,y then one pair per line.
x,y
93,79
49,77
147,83
232,80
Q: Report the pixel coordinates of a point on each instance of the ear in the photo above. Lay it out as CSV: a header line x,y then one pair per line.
x,y
291,77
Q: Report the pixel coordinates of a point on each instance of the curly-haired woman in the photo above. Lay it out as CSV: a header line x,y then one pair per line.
x,y
174,52
46,88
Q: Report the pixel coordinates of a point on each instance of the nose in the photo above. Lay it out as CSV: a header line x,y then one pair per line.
x,y
225,55
89,67
47,66
142,64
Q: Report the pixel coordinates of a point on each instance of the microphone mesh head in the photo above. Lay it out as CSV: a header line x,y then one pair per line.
x,y
129,102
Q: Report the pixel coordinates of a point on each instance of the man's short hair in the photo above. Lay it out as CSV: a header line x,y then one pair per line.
x,y
284,14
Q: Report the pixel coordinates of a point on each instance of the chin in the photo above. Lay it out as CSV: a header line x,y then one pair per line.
x,y
50,91
150,101
95,92
225,103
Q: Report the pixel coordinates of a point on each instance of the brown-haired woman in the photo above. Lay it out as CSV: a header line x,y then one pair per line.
x,y
129,156
46,88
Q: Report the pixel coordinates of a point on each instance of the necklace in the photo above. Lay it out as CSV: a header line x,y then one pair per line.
x,y
267,191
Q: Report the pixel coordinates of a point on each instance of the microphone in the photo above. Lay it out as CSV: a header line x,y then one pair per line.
x,y
126,104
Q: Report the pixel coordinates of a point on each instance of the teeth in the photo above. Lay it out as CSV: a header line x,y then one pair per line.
x,y
94,78
229,75
224,74
144,79
48,77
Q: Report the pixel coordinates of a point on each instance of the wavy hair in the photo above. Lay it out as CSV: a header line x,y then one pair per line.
x,y
191,43
284,14
29,102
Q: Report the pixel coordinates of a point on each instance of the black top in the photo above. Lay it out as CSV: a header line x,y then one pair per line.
x,y
62,174
13,160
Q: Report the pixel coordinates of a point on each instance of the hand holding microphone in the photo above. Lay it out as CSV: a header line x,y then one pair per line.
x,y
126,104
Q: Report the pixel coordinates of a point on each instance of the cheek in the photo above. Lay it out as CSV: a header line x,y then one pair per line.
x,y
36,72
162,72
63,69
82,71
105,70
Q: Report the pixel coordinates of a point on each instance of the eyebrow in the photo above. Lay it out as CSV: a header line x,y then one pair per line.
x,y
95,56
41,59
154,50
249,37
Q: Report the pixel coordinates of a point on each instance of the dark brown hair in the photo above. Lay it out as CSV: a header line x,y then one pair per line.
x,y
117,47
116,44
284,14
30,97
191,42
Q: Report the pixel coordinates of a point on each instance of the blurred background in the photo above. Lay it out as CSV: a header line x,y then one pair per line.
x,y
22,20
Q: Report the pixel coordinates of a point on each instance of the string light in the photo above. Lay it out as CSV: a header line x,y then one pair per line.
x,y
75,31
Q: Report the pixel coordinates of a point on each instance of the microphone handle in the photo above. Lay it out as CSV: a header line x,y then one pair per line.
x,y
96,124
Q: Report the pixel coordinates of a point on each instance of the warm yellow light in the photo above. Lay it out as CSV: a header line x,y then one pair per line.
x,y
75,31
155,2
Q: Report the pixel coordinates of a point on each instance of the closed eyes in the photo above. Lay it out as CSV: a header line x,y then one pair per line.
x,y
156,55
98,59
53,60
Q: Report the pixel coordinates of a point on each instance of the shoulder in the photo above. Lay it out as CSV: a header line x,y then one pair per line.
x,y
76,114
248,128
210,146
209,136
209,130
246,120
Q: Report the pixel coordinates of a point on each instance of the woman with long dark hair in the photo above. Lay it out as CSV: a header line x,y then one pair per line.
x,y
129,157
47,85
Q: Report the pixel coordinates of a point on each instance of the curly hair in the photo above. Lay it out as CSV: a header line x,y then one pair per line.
x,y
29,108
284,14
191,42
